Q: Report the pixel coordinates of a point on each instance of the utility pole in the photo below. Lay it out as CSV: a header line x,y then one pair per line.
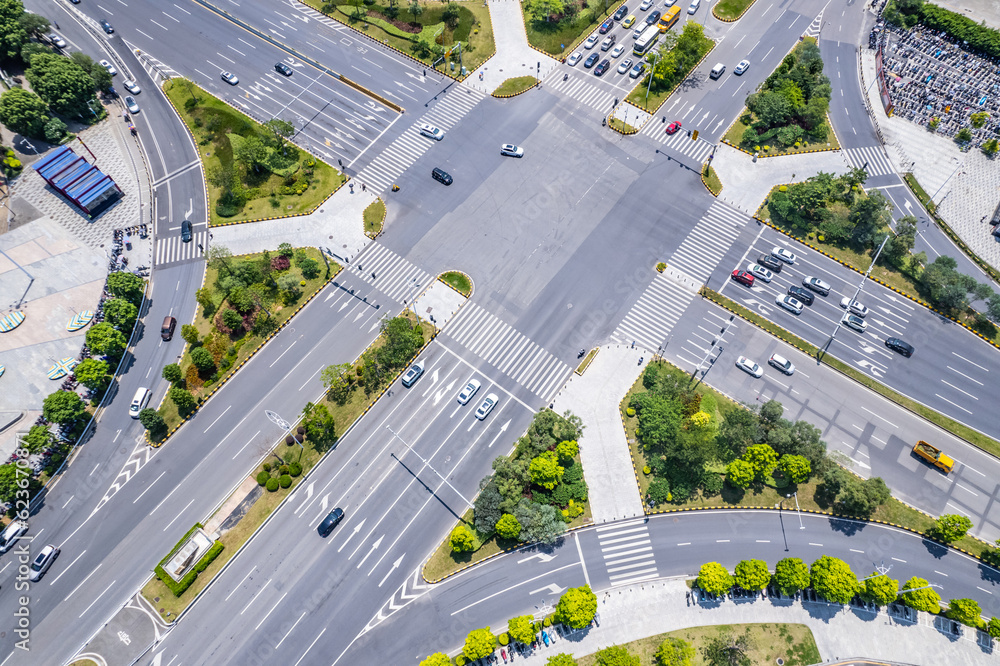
x,y
797,509
861,285
711,350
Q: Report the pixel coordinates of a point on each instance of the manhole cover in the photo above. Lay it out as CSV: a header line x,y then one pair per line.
x,y
780,661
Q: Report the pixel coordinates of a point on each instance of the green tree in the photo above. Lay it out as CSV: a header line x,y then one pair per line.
x,y
11,478
752,575
868,215
120,313
714,579
251,153
566,451
880,589
564,659
55,130
539,522
990,147
92,373
152,422
791,575
950,527
540,11
993,628
202,359
462,539
795,468
232,320
61,83
336,379
521,629
675,652
281,131
964,135
508,527
13,36
833,580
401,340
24,112
126,285
172,373
728,650
979,119
38,439
486,508
616,655
577,607
190,333
415,9
63,407
740,428
993,308
319,426
545,470
862,498
479,643
918,595
901,243
966,611
762,458
37,26
183,399
437,659
739,474
104,340
96,71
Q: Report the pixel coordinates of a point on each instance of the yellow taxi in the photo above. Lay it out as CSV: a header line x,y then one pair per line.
x,y
629,20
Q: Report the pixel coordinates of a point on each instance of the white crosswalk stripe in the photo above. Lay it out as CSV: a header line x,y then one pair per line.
x,y
872,156
394,276
172,249
382,171
680,142
628,552
509,351
653,316
705,245
583,91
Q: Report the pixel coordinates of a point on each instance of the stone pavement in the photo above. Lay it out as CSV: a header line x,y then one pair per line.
x,y
514,57
438,303
630,613
338,225
607,465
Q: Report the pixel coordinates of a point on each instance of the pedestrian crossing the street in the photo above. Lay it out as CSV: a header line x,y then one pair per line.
x,y
872,159
450,108
577,87
172,250
711,238
653,316
394,276
510,352
628,552
680,142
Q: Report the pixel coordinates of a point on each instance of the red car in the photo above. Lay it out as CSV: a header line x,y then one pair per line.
x,y
743,277
673,127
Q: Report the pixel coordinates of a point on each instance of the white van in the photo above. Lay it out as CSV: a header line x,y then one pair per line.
x,y
717,71
139,402
11,534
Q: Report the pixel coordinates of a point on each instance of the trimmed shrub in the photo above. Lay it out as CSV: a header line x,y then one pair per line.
x,y
629,411
283,469
272,485
262,477
294,469
266,467
285,481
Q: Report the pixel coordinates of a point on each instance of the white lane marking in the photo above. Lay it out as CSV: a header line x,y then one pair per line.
x,y
973,363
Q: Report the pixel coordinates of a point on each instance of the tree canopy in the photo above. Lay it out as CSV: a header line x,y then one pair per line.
x,y
918,595
714,578
63,407
62,83
833,579
24,112
577,607
791,575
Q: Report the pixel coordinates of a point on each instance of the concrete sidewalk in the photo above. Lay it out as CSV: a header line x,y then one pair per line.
x,y
514,57
630,613
607,465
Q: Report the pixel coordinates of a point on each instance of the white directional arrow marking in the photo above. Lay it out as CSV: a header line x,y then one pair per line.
x,y
551,589
371,550
866,364
304,19
395,565
754,303
443,392
280,36
357,528
503,429
538,556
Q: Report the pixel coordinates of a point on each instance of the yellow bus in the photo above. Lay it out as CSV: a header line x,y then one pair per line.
x,y
669,18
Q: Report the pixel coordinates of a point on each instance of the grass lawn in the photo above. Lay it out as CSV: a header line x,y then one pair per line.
x,y
792,643
374,217
223,346
735,135
559,39
730,10
587,360
460,282
622,126
925,199
516,85
474,29
210,122
712,181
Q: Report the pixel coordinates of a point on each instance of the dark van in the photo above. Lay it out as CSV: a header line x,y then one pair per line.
x,y
167,330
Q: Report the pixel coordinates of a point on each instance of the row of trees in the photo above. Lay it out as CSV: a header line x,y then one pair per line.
x,y
676,56
975,37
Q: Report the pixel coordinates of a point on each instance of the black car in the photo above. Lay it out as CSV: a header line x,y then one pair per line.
x,y
282,68
603,67
621,13
803,295
652,18
591,59
332,520
897,345
767,261
186,231
107,27
441,176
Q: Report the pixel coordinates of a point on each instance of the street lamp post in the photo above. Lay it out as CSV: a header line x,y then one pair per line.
x,y
861,285
797,509
429,466
650,84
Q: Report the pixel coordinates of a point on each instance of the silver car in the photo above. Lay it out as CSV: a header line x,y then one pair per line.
x,y
853,306
781,363
413,374
230,78
784,255
855,322
742,67
510,150
592,41
131,105
748,366
470,390
816,285
573,59
625,65
790,303
760,272
431,132
488,404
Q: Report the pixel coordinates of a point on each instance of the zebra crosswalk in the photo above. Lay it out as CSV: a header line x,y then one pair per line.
x,y
509,351
172,250
679,141
583,91
653,316
871,158
628,552
711,238
394,276
384,169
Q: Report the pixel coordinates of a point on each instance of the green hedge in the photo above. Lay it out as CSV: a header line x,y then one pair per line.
x,y
178,587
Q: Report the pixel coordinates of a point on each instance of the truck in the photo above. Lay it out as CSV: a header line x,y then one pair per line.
x,y
933,455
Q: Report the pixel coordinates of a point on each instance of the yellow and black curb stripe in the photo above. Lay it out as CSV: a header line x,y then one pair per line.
x,y
385,212
630,130
732,20
515,94
708,165
587,361
468,277
232,371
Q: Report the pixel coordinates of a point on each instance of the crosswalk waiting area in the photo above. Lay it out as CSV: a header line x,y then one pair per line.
x,y
445,113
627,551
390,273
577,87
679,141
870,158
509,351
172,250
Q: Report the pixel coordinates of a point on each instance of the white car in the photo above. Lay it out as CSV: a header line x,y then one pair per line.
x,y
790,303
853,306
131,105
592,41
230,78
46,556
108,66
759,271
10,535
573,59
855,322
781,363
646,4
669,3
625,65
608,42
470,390
413,374
784,255
618,51
432,132
488,404
511,150
638,30
748,366
742,67
693,7
57,40
131,87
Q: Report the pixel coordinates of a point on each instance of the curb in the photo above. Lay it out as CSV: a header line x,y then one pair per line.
x,y
580,372
472,290
385,212
732,20
529,88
